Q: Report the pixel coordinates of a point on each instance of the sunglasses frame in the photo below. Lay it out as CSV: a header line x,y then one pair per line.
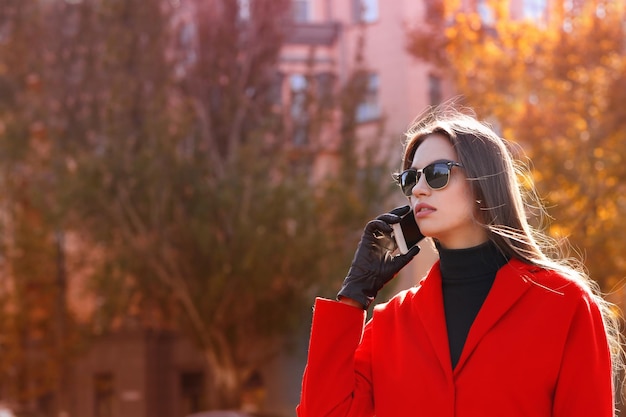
x,y
420,172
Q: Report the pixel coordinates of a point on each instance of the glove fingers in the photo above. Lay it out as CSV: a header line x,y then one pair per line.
x,y
412,252
400,261
378,225
401,211
395,215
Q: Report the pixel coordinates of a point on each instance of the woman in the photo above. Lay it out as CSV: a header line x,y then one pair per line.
x,y
497,328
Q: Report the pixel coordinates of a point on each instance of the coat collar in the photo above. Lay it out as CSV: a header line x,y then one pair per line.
x,y
509,286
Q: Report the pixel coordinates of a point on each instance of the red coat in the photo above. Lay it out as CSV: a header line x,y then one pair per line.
x,y
536,349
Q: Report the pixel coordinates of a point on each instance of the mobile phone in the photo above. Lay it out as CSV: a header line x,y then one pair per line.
x,y
406,233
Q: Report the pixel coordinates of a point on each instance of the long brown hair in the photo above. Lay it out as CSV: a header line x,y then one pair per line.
x,y
505,198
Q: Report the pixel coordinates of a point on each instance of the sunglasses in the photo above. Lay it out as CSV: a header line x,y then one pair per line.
x,y
437,176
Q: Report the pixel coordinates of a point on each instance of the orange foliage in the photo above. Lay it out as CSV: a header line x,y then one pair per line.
x,y
556,86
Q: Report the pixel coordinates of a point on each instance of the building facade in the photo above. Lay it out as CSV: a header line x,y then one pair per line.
x,y
139,372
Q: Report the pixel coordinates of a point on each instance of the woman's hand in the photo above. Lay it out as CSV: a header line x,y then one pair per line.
x,y
373,264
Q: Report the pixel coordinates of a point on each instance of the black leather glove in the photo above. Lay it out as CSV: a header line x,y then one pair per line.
x,y
373,264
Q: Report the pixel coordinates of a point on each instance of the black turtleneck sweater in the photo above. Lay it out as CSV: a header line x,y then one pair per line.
x,y
467,276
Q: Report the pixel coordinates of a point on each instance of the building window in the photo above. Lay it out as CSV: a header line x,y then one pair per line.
x,y
535,9
45,404
275,93
434,90
244,9
369,108
365,11
325,86
103,394
301,10
298,85
191,392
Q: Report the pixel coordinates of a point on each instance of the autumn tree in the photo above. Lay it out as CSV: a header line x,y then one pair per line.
x,y
156,131
38,332
553,82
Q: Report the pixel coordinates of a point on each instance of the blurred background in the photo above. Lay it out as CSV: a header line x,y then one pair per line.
x,y
180,178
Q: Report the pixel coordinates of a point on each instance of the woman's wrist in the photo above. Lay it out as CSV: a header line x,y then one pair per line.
x,y
350,302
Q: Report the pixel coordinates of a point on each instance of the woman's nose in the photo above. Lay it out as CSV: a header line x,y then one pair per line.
x,y
421,187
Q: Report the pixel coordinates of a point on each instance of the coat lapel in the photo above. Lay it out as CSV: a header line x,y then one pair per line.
x,y
432,315
510,284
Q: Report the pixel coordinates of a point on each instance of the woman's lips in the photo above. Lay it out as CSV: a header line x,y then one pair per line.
x,y
423,210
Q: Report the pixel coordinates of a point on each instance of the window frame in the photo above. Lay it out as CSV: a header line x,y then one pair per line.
x,y
369,108
366,11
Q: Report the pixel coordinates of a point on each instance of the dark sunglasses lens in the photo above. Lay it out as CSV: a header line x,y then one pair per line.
x,y
437,175
408,179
